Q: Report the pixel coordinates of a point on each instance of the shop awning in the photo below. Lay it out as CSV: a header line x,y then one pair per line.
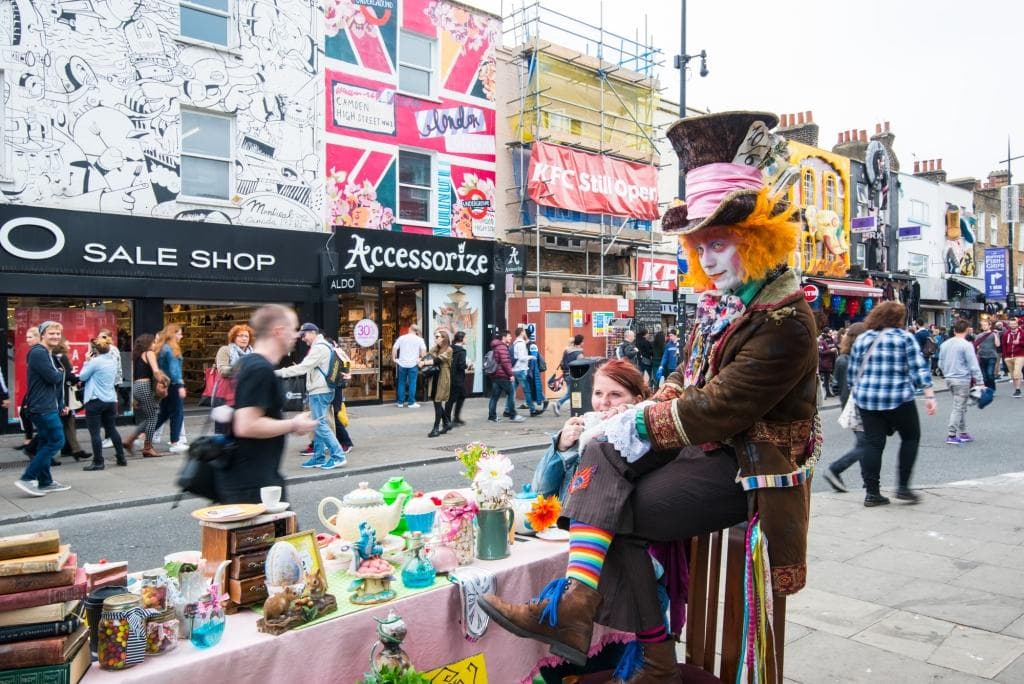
x,y
976,284
847,288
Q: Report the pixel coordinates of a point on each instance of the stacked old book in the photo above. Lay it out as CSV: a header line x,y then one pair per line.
x,y
43,636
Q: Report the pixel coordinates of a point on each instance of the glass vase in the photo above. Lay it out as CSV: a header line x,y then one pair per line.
x,y
207,624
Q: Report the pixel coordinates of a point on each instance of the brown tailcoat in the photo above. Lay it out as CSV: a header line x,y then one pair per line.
x,y
759,397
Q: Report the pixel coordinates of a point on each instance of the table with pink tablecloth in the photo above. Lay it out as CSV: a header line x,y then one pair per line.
x,y
339,650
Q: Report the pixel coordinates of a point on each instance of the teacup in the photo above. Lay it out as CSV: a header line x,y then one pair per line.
x,y
270,496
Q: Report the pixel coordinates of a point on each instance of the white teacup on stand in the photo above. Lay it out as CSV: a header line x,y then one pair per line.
x,y
270,496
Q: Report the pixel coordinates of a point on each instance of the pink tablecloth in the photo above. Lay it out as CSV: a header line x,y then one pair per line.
x,y
339,650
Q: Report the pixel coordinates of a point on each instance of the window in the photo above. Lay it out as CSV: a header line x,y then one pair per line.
x,y
862,252
980,228
919,212
807,188
1020,279
416,64
830,192
562,123
414,186
993,228
205,155
917,263
206,20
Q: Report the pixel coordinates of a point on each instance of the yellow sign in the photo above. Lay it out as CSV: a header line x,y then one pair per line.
x,y
470,670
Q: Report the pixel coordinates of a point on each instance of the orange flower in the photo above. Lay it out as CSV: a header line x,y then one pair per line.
x,y
544,512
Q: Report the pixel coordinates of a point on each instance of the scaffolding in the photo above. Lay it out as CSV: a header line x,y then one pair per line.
x,y
591,89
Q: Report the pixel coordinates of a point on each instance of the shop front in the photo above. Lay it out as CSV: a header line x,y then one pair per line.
x,y
134,275
397,280
841,302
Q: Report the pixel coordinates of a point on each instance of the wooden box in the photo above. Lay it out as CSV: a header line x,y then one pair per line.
x,y
245,544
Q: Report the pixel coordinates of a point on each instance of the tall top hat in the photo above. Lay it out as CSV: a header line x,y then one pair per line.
x,y
728,159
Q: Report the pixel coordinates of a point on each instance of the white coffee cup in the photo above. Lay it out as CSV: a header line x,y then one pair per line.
x,y
270,496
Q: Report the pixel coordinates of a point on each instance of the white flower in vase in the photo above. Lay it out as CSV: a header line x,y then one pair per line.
x,y
493,481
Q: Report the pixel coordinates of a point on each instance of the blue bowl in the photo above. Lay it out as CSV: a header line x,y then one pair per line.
x,y
421,522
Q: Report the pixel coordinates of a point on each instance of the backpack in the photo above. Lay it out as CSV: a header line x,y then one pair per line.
x,y
490,365
335,369
542,365
928,348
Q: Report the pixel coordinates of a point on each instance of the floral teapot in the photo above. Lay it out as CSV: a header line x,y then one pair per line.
x,y
361,505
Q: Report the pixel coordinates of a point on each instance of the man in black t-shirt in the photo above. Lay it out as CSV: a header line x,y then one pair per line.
x,y
259,425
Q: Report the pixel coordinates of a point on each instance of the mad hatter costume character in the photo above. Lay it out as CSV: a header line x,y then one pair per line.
x,y
732,435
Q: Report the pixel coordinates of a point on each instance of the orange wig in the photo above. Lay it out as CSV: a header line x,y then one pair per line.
x,y
765,239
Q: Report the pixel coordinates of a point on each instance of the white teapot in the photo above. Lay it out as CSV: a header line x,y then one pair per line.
x,y
359,505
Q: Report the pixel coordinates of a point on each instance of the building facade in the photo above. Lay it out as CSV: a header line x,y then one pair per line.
x,y
409,162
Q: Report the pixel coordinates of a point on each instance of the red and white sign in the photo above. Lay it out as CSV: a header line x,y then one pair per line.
x,y
656,274
810,292
592,183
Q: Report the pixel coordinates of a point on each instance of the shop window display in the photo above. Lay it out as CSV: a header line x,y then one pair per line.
x,y
358,340
82,320
205,330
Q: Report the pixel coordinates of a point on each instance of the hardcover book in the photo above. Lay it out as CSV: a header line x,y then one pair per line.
x,y
35,544
39,652
51,612
40,630
41,580
47,595
48,562
70,671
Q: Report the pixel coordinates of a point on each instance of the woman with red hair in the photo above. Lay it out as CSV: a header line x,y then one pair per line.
x,y
733,434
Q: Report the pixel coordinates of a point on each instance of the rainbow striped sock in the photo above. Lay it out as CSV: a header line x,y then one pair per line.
x,y
588,546
652,636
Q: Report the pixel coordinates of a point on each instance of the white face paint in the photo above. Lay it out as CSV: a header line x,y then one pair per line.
x,y
720,259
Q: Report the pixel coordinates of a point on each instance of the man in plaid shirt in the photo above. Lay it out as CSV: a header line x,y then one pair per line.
x,y
890,365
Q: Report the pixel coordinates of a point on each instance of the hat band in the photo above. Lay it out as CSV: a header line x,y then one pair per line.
x,y
707,186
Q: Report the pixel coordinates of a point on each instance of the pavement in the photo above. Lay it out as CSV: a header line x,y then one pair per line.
x,y
909,593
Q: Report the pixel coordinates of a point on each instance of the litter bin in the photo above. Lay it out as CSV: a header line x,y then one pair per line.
x,y
581,383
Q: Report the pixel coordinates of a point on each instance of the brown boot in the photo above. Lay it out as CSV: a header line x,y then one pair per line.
x,y
648,664
149,452
562,616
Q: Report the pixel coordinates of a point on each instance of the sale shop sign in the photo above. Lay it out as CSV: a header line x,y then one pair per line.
x,y
591,183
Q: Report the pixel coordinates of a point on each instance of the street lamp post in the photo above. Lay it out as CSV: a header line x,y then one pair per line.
x,y
681,60
1011,298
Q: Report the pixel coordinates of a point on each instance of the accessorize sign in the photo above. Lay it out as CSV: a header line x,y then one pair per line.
x,y
402,256
592,183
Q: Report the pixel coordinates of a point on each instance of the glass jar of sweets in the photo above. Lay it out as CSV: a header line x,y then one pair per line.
x,y
161,632
121,633
154,590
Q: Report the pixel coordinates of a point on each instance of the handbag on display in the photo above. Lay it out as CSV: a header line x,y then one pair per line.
x,y
294,393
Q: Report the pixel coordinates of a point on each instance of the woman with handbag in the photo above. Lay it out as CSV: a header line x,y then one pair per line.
x,y
240,339
833,473
100,377
437,369
167,347
148,393
886,365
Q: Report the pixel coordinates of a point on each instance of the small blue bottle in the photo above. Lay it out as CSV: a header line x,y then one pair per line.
x,y
418,571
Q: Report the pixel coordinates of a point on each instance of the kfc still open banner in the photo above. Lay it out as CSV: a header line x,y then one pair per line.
x,y
592,183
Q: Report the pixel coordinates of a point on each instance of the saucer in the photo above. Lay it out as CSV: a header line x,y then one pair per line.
x,y
278,507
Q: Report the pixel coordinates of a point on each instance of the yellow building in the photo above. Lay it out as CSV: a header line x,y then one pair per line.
x,y
822,192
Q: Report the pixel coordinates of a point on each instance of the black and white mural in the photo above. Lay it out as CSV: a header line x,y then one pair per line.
x,y
93,92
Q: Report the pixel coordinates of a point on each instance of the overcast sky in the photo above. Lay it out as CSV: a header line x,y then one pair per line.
x,y
940,71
